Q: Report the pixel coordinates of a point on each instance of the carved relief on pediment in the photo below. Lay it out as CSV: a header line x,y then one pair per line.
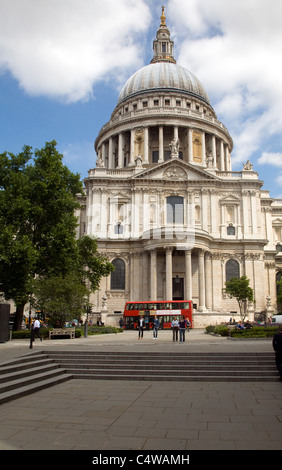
x,y
174,173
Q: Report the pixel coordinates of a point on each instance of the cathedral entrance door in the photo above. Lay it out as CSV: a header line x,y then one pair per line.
x,y
177,288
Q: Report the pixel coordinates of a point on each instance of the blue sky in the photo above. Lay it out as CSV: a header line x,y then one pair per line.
x,y
63,63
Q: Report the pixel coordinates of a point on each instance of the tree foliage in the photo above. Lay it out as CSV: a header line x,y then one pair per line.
x,y
63,298
240,289
38,199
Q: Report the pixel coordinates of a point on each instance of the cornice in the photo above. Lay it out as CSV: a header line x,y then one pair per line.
x,y
198,123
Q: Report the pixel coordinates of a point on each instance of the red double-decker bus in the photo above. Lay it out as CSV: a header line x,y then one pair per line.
x,y
164,309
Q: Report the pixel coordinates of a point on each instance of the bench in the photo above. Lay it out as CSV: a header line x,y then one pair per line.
x,y
57,332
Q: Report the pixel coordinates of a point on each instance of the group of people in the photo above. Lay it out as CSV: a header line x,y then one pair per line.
x,y
176,326
244,325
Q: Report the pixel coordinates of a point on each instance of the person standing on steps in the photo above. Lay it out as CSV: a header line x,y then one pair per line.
x,y
35,330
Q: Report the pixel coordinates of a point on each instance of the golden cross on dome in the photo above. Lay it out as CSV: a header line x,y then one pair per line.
x,y
163,18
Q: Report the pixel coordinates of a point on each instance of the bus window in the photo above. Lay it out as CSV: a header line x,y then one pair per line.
x,y
166,306
175,305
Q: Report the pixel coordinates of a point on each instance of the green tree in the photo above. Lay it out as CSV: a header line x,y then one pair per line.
x,y
38,198
62,298
91,265
65,297
240,289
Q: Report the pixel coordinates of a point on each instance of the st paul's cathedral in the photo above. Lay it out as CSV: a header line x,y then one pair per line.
x,y
165,206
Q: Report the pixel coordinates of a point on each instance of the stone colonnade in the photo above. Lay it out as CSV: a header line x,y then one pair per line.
x,y
150,276
113,150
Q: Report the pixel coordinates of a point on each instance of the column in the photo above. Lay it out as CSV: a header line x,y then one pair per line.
x,y
161,144
245,199
120,152
188,275
203,147
168,268
253,212
153,270
226,153
190,145
175,132
132,276
145,281
221,156
131,152
208,279
214,151
146,145
205,194
103,153
111,156
202,300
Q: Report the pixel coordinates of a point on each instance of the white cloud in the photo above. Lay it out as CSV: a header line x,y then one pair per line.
x,y
269,158
60,48
234,48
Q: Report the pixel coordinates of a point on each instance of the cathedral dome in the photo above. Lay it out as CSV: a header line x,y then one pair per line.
x,y
162,77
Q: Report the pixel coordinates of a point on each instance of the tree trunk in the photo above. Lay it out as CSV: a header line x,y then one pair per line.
x,y
18,317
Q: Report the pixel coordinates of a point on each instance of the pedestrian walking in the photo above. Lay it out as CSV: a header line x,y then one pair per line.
x,y
156,327
277,346
175,328
35,330
141,324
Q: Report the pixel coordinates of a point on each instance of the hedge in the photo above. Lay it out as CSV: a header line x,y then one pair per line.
x,y
101,330
44,332
255,332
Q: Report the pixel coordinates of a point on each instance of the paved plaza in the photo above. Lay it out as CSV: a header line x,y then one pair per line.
x,y
144,415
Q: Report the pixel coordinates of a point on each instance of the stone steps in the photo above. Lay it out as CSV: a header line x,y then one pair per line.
x,y
36,371
27,375
169,366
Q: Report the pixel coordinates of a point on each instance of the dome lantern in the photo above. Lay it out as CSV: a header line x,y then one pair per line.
x,y
163,45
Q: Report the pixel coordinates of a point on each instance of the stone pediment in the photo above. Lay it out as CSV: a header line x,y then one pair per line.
x,y
175,170
230,199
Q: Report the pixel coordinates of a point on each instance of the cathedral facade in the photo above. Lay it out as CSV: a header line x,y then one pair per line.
x,y
165,206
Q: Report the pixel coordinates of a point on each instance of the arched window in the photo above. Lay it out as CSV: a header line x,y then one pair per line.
x,y
232,269
175,210
118,275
